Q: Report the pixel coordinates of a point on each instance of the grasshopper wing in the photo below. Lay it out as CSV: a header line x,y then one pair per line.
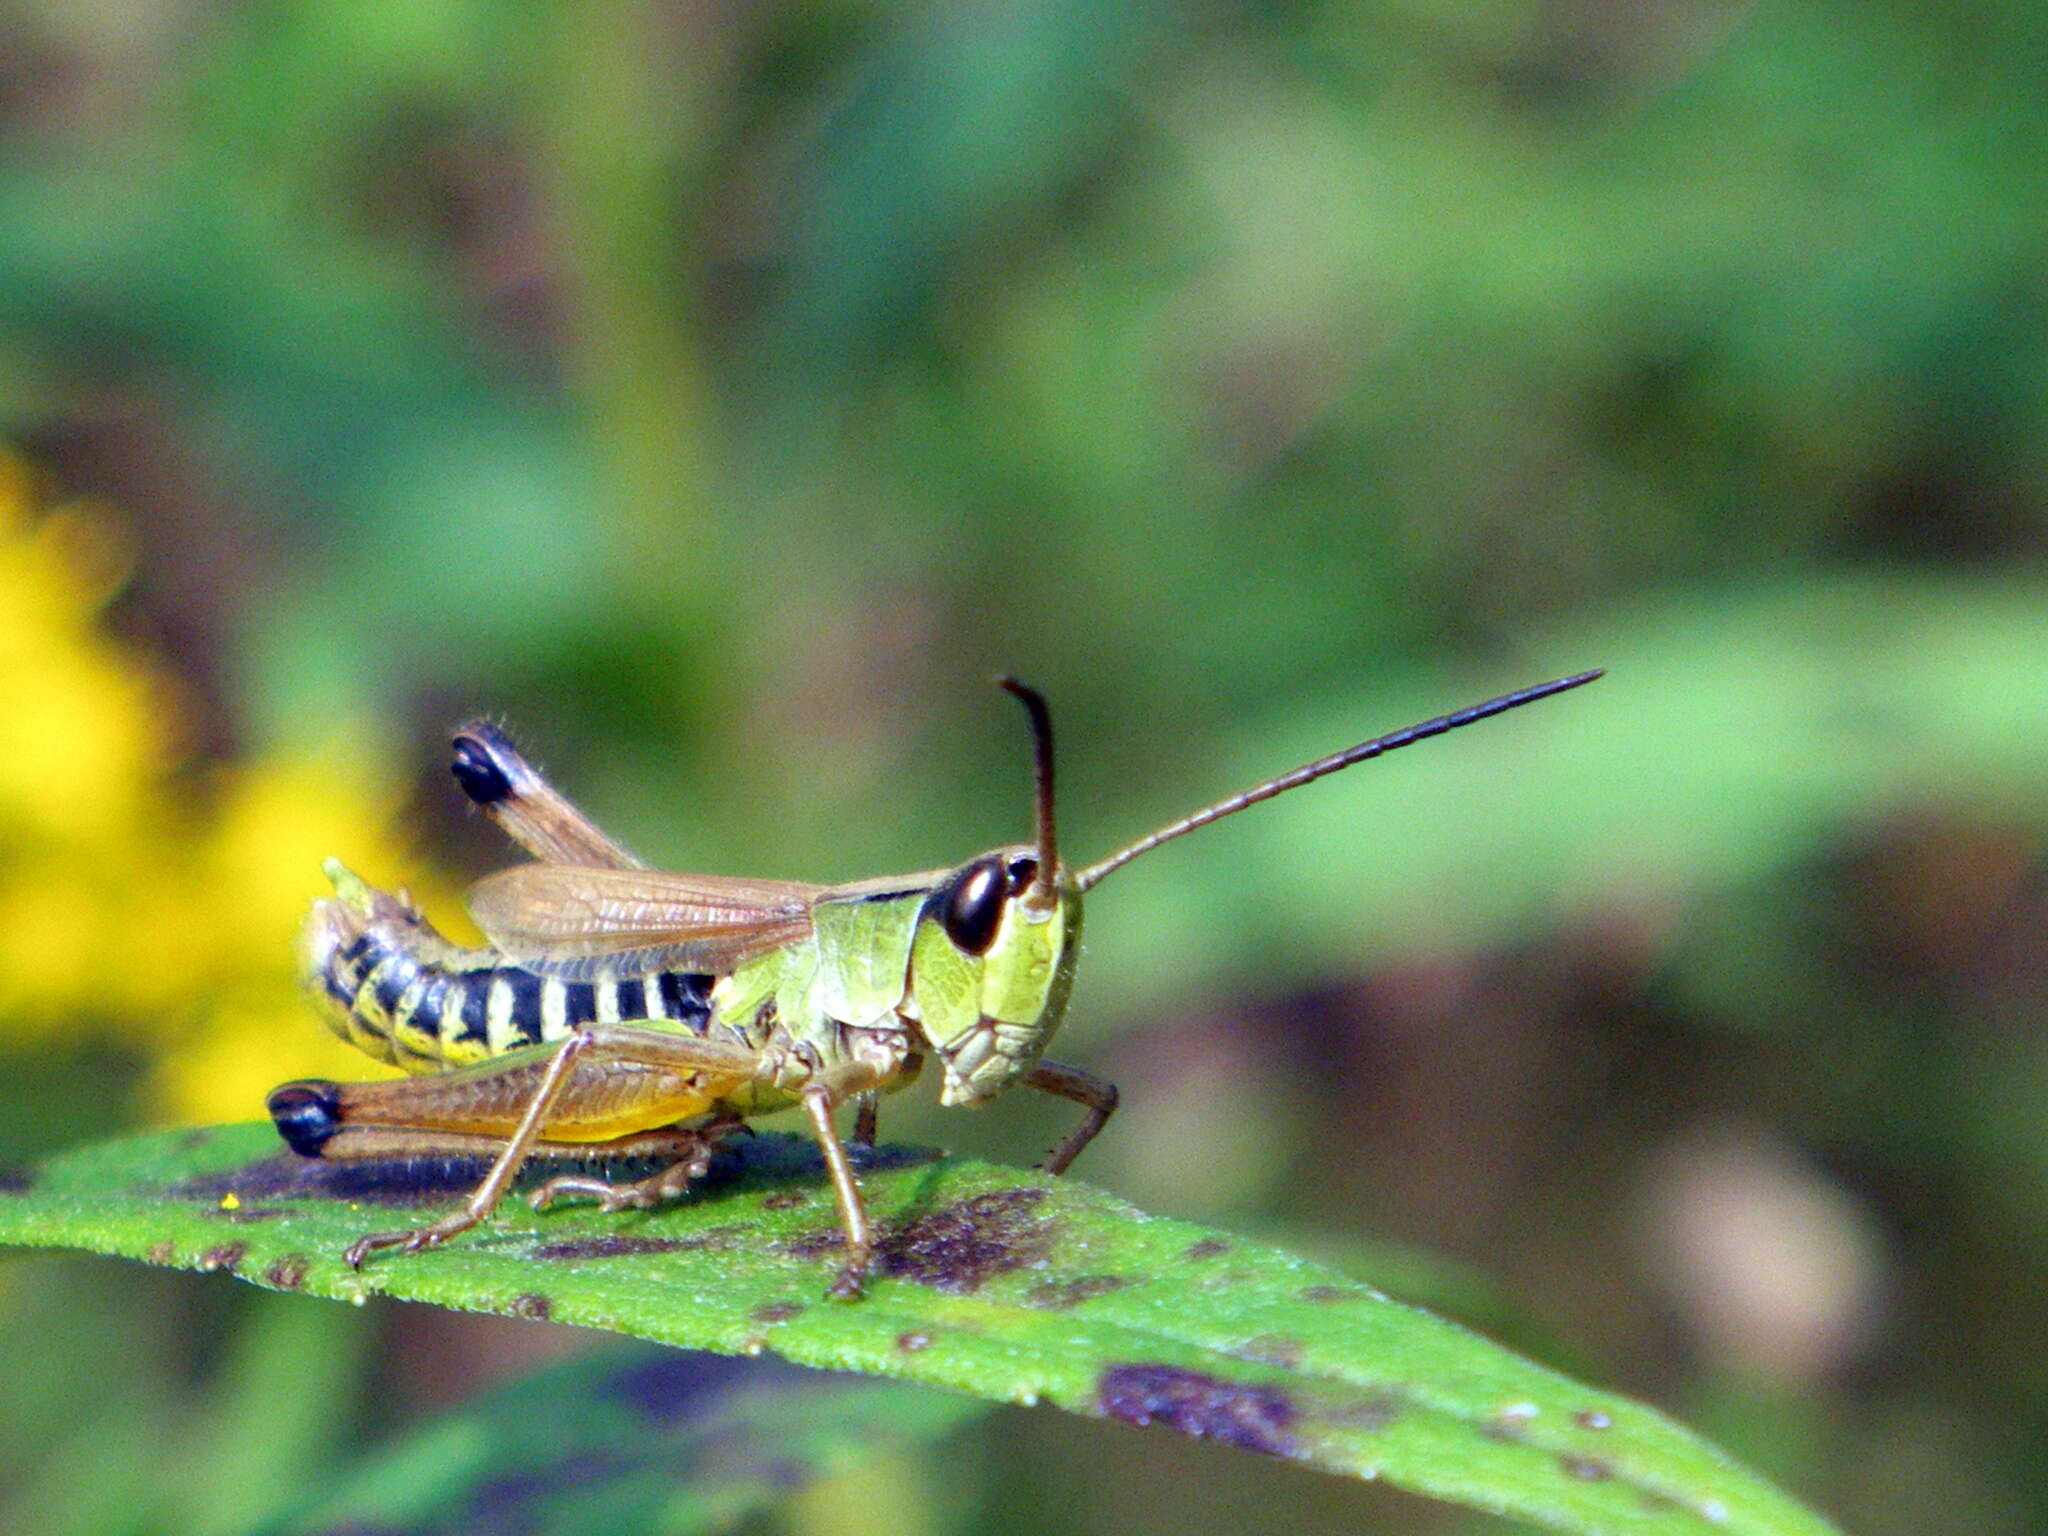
x,y
584,923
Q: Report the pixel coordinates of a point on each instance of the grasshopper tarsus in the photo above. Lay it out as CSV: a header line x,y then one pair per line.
x,y
851,1283
411,1241
671,1183
606,1196
624,1008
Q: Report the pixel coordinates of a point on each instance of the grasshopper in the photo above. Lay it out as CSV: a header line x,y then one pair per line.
x,y
631,1012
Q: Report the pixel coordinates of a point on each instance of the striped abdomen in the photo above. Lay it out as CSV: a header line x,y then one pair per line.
x,y
393,987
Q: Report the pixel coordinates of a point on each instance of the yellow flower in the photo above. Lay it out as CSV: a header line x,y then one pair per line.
x,y
136,905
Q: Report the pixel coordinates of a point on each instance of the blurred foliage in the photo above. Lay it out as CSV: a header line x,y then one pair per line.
x,y
724,394
660,1444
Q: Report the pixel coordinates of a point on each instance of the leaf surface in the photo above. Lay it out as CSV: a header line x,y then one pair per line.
x,y
991,1281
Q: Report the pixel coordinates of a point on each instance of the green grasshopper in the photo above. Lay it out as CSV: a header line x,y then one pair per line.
x,y
631,1012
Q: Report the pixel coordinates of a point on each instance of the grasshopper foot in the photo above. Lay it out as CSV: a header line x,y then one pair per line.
x,y
640,1195
412,1241
609,1197
851,1283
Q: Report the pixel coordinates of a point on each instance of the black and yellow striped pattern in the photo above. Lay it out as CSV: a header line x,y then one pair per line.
x,y
398,991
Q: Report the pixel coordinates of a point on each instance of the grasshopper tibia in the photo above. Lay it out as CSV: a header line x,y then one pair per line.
x,y
1097,1095
832,1088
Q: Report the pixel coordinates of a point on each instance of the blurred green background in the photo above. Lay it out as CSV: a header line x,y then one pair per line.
x,y
724,393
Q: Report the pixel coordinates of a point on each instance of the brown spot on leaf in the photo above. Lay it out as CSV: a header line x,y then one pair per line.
x,y
1250,1418
786,1200
1375,1411
956,1247
1058,1295
911,1343
1592,1418
193,1140
1271,1349
227,1257
777,1312
1207,1248
1328,1293
532,1306
289,1272
1588,1469
162,1253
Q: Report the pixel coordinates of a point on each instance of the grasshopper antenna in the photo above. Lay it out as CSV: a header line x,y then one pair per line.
x,y
1309,772
1044,889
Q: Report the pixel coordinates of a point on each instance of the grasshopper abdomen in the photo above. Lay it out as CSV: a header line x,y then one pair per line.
x,y
398,990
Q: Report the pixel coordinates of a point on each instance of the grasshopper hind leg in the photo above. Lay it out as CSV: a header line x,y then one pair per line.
x,y
496,1182
582,1098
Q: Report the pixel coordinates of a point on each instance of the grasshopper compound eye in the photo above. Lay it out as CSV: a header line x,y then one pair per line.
x,y
973,909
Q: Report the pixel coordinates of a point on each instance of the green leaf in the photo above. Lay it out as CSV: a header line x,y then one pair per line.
x,y
655,1443
1004,1284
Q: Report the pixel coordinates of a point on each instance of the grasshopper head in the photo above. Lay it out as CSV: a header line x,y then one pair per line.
x,y
994,963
